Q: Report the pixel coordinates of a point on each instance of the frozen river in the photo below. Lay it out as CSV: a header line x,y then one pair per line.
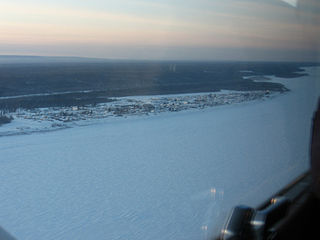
x,y
175,175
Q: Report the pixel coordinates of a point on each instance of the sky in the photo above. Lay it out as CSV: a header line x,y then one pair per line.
x,y
162,29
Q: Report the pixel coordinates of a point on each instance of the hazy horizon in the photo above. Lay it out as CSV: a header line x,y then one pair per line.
x,y
201,30
80,59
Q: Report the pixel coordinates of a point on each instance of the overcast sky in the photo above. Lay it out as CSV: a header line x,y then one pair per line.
x,y
162,29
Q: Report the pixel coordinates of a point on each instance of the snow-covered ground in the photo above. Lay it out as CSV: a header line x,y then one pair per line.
x,y
174,175
27,121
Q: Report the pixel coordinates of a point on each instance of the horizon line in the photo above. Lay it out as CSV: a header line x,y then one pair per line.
x,y
104,59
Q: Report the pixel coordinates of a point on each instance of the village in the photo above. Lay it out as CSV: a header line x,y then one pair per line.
x,y
135,106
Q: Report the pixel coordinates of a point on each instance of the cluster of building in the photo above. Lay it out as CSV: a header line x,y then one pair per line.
x,y
129,106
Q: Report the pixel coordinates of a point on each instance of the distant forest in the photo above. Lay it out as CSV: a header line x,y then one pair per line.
x,y
83,83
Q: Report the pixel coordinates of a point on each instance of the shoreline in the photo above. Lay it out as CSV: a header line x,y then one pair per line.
x,y
27,121
47,119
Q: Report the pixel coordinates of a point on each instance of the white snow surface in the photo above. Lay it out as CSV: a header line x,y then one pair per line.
x,y
169,176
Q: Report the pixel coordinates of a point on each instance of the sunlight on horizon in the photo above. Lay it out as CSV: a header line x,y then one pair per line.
x,y
156,30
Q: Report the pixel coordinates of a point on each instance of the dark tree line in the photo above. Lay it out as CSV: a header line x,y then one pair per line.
x,y
4,117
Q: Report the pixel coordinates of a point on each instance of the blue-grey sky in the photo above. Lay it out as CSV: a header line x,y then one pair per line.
x,y
162,29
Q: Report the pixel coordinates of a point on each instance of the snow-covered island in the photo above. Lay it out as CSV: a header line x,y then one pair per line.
x,y
53,118
169,176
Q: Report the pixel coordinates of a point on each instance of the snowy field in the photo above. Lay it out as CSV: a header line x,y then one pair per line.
x,y
174,175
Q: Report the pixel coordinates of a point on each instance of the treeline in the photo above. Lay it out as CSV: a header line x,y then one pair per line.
x,y
4,117
58,100
24,79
